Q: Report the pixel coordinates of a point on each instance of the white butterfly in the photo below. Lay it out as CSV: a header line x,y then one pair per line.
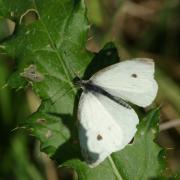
x,y
107,122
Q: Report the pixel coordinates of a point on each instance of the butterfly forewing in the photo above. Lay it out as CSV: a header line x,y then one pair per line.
x,y
132,80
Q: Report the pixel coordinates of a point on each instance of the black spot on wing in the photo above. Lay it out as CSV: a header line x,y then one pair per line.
x,y
134,75
99,137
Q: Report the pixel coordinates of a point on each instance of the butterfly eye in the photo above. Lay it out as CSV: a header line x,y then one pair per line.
x,y
99,137
134,75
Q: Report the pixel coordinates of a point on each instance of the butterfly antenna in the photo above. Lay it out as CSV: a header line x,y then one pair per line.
x,y
57,98
76,78
74,75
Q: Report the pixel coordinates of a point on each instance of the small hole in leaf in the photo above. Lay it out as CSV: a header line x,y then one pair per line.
x,y
109,53
66,173
48,134
41,121
29,17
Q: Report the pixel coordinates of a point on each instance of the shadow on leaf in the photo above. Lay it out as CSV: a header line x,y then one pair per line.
x,y
70,149
106,57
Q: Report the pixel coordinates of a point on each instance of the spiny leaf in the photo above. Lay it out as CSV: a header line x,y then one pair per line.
x,y
49,52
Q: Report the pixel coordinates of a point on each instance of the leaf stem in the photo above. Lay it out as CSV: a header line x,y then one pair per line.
x,y
116,172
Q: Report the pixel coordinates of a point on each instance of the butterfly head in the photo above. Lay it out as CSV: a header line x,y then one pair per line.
x,y
79,82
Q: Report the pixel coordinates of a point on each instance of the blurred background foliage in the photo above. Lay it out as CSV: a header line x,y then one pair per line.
x,y
139,28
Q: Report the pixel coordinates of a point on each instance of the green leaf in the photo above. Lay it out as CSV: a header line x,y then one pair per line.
x,y
49,52
23,169
95,12
143,159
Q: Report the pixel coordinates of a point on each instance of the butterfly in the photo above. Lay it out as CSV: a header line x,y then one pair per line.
x,y
107,123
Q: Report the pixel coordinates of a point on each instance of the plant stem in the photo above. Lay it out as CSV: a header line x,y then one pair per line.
x,y
116,172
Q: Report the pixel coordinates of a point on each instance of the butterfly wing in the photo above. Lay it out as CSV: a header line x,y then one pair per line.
x,y
105,127
132,80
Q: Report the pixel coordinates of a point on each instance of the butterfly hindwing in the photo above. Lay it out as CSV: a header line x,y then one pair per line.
x,y
105,126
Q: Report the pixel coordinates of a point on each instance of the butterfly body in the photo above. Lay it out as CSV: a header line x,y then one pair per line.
x,y
88,86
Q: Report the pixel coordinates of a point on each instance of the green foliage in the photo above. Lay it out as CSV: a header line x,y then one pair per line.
x,y
15,160
54,44
49,52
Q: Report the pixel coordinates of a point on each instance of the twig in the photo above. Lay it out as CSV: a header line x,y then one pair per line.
x,y
169,124
137,10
